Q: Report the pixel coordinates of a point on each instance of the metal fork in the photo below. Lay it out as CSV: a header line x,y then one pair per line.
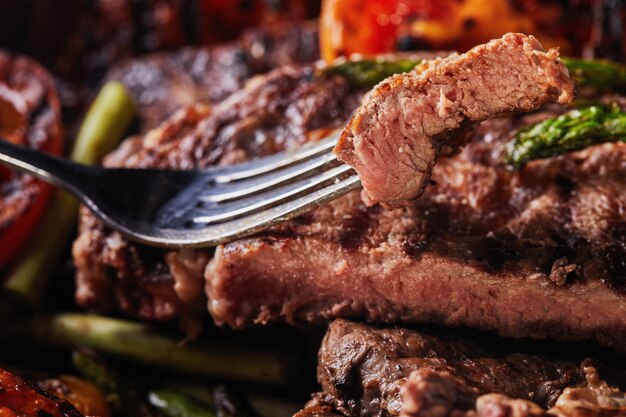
x,y
199,208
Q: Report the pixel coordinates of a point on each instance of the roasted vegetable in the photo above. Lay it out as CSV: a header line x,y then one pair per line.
x,y
103,128
142,343
18,398
92,368
30,115
369,72
82,394
571,131
356,27
602,74
175,404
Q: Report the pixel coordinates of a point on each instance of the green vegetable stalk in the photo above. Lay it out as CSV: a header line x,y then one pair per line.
x,y
104,126
175,404
571,131
141,343
602,74
369,72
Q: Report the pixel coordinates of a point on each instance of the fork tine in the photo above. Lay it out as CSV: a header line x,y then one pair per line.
x,y
247,206
247,225
270,179
275,161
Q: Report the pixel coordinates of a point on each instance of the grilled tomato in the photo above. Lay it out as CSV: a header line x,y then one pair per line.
x,y
352,26
30,115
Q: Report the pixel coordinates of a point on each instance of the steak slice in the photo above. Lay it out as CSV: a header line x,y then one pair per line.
x,y
164,82
407,121
366,371
538,252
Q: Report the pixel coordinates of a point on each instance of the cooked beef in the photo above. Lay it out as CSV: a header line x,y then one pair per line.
x,y
429,393
316,411
164,82
18,398
539,252
366,372
478,249
279,111
409,120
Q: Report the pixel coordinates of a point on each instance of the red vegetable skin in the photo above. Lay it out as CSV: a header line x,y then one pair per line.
x,y
30,115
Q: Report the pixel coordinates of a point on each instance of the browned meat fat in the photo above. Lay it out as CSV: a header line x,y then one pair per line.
x,y
407,121
370,372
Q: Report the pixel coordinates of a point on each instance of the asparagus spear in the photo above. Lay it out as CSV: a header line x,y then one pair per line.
x,y
602,74
599,73
369,72
103,128
142,343
570,131
175,404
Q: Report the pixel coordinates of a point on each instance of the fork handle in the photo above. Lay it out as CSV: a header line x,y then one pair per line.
x,y
51,169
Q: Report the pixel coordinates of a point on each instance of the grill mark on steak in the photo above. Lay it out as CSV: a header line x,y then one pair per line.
x,y
366,371
409,120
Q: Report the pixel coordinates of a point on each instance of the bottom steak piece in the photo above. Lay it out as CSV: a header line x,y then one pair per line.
x,y
366,371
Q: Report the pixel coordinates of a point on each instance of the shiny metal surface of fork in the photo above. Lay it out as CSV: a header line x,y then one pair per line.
x,y
199,208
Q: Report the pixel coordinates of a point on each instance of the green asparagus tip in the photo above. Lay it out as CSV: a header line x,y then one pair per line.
x,y
601,74
570,131
369,72
175,404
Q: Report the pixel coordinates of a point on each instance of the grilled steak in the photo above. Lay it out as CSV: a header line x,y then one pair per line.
x,y
380,372
164,82
539,252
408,120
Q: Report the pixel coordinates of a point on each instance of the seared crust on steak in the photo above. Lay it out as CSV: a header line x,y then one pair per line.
x,y
394,139
366,372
